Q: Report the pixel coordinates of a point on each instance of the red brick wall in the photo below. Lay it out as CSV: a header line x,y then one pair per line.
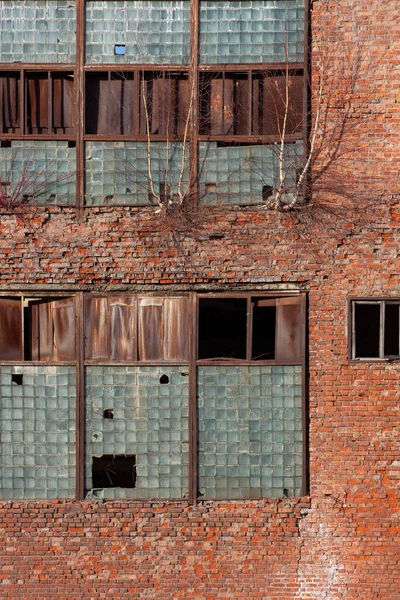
x,y
342,542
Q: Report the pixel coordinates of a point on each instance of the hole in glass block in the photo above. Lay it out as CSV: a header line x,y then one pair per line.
x,y
108,413
267,192
114,471
164,379
18,379
5,144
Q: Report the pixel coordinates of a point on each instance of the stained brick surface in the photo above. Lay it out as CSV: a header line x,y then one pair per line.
x,y
342,541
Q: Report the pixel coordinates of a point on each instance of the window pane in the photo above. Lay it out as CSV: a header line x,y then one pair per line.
x,y
249,431
222,328
111,105
264,325
153,32
37,31
9,102
251,31
41,172
367,325
391,330
118,172
150,422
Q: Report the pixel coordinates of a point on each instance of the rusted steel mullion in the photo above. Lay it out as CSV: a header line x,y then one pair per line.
x,y
79,105
132,68
243,67
254,139
49,103
192,399
80,398
40,67
37,137
249,328
22,102
250,101
194,102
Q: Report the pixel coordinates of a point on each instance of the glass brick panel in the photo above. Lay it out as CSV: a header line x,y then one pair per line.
x,y
37,424
251,31
38,31
150,421
250,431
118,172
239,174
42,172
146,32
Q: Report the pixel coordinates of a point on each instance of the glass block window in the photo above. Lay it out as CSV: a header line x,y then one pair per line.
x,y
148,32
168,412
38,31
42,172
122,173
149,408
38,437
247,174
251,31
250,431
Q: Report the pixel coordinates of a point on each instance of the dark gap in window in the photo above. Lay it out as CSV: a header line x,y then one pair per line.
x,y
264,326
391,346
18,379
367,324
164,379
114,471
267,191
27,333
71,144
5,144
222,328
108,413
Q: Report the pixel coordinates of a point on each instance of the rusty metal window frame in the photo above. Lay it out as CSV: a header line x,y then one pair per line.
x,y
80,68
381,335
192,362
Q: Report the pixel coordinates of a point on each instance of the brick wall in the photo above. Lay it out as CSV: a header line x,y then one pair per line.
x,y
342,541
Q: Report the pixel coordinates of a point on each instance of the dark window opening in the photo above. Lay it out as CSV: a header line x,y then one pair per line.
x,y
222,328
264,326
111,105
164,103
391,336
49,103
45,325
367,328
251,103
110,471
17,379
9,102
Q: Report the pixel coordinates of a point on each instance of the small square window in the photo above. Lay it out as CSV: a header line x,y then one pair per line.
x,y
376,329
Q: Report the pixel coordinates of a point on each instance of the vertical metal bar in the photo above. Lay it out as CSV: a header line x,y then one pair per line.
x,y
22,102
79,103
250,101
249,327
304,403
382,330
80,398
192,398
194,102
307,78
49,104
22,330
2,95
352,308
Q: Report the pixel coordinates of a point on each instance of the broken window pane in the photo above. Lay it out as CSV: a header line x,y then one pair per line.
x,y
222,328
51,327
114,471
49,103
